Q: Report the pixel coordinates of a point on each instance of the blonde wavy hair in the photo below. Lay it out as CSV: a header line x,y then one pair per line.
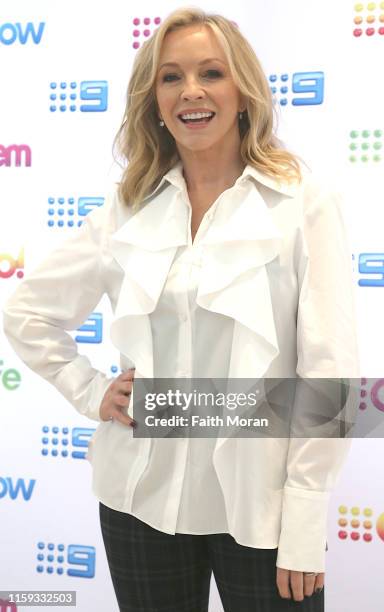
x,y
150,150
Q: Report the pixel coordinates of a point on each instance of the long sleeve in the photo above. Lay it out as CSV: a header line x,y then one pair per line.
x,y
327,348
58,295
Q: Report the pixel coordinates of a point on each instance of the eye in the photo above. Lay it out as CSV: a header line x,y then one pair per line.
x,y
214,73
168,78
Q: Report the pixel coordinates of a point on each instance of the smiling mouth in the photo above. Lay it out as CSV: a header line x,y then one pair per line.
x,y
200,120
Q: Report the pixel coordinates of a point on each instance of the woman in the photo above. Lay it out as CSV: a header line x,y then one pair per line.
x,y
220,260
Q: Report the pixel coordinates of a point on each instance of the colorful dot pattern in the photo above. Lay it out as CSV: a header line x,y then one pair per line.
x,y
63,96
363,394
61,212
357,526
50,554
279,87
366,145
55,441
368,19
143,28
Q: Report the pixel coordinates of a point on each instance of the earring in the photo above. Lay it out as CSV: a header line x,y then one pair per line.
x,y
161,123
240,116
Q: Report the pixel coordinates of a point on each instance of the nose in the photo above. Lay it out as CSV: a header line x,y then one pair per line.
x,y
192,90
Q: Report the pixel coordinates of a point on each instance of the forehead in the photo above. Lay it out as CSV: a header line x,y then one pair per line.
x,y
191,42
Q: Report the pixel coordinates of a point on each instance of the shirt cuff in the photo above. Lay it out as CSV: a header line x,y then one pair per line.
x,y
83,386
302,542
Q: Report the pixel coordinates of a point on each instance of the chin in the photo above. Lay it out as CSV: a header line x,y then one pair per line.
x,y
197,144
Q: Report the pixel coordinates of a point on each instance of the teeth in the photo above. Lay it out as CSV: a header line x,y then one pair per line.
x,y
197,115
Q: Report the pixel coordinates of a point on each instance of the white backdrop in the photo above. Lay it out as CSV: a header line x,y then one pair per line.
x,y
49,530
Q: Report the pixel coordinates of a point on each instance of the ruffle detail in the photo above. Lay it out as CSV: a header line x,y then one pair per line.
x,y
234,280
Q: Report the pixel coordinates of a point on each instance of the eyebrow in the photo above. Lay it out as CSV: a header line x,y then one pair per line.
x,y
210,59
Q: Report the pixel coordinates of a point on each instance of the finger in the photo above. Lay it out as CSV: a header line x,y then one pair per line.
x,y
297,585
106,418
126,387
122,400
320,579
309,585
319,583
128,374
282,582
119,416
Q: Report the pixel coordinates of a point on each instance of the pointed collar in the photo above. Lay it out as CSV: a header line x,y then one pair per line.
x,y
176,178
163,221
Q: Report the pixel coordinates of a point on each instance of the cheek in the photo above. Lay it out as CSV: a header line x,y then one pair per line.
x,y
165,102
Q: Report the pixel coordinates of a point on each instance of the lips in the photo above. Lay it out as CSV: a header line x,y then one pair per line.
x,y
190,112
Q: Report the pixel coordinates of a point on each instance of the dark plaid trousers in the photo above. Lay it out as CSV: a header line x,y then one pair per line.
x,y
153,571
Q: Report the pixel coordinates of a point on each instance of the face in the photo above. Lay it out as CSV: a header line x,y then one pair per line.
x,y
193,74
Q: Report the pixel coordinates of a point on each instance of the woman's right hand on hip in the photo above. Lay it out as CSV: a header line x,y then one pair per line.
x,y
116,399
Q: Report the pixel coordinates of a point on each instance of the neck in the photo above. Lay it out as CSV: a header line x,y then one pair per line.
x,y
202,173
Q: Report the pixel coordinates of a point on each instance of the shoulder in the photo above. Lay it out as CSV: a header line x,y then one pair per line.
x,y
111,214
312,185
321,203
318,183
314,201
317,191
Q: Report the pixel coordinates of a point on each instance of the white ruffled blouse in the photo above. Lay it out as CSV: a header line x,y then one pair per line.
x,y
264,291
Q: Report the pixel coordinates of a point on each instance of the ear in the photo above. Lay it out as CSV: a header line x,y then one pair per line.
x,y
242,104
